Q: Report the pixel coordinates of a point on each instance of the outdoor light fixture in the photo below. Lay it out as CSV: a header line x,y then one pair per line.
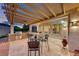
x,y
74,23
62,22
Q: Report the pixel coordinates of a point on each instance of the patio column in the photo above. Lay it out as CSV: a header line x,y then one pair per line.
x,y
43,27
11,29
68,25
30,28
12,14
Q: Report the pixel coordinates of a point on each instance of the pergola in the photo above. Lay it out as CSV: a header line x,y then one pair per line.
x,y
31,13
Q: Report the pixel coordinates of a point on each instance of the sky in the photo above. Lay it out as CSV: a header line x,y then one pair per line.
x,y
3,18
2,15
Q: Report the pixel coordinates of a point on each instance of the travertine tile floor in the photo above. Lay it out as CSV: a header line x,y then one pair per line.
x,y
55,48
4,49
19,48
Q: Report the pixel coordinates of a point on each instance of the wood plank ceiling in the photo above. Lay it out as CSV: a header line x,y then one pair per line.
x,y
30,13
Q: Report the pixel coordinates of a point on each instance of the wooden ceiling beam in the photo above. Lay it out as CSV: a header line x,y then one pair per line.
x,y
61,14
50,9
20,15
22,18
24,10
62,8
57,15
37,9
20,21
30,12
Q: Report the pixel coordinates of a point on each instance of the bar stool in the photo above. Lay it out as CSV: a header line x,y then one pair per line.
x,y
33,46
45,40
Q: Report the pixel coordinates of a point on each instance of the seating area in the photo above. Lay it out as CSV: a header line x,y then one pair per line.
x,y
39,29
25,47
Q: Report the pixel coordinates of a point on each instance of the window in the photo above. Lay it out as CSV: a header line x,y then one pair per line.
x,y
34,28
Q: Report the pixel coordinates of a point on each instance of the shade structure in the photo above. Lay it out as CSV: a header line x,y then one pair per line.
x,y
30,13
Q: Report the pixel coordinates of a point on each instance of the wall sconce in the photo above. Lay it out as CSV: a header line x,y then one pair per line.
x,y
75,23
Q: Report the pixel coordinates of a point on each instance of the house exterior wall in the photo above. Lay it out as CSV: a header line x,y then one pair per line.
x,y
74,33
74,39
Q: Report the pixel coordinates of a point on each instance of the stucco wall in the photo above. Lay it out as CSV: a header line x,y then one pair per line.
x,y
74,33
74,39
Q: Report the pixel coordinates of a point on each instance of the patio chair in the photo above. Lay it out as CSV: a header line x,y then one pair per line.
x,y
76,53
33,46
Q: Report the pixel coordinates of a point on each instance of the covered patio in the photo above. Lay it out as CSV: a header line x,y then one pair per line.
x,y
41,15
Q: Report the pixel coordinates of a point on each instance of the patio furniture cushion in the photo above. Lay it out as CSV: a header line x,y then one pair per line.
x,y
33,44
